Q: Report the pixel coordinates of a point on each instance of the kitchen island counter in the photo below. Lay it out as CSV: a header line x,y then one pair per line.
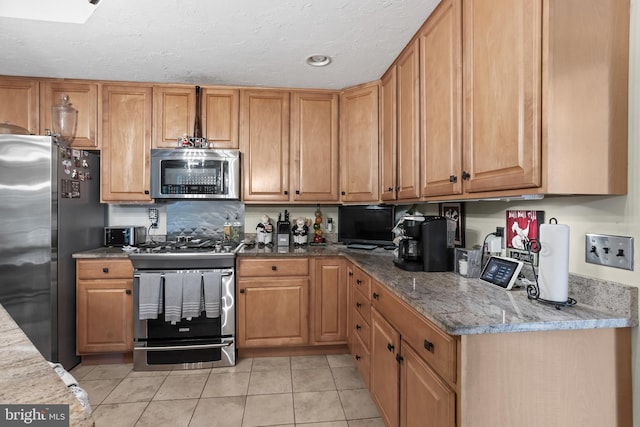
x,y
463,306
26,377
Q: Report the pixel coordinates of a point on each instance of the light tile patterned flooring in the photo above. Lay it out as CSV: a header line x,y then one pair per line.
x,y
313,391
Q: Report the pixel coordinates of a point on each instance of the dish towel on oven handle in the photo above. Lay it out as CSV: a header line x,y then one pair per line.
x,y
150,296
212,292
173,296
191,295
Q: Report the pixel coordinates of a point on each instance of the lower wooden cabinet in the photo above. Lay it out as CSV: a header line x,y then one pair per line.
x,y
329,301
104,306
385,341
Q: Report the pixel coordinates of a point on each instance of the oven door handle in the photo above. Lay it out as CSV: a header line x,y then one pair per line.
x,y
186,347
224,274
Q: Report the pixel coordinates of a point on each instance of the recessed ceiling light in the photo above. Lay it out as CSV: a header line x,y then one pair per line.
x,y
319,60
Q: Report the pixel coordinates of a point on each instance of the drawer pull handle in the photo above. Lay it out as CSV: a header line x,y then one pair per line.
x,y
358,305
428,346
375,295
358,327
351,273
390,347
274,268
242,291
105,269
358,357
128,292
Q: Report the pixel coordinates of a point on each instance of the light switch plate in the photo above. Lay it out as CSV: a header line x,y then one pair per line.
x,y
612,251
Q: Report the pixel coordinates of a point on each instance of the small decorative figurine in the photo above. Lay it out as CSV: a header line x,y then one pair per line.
x,y
264,231
300,231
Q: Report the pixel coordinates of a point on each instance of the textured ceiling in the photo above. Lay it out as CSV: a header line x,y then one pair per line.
x,y
241,42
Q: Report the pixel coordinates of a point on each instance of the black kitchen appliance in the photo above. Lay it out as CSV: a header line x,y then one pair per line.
x,y
283,230
424,246
410,246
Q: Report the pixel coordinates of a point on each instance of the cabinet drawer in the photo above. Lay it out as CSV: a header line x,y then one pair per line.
x,y
434,346
362,306
362,282
270,267
362,329
362,359
104,269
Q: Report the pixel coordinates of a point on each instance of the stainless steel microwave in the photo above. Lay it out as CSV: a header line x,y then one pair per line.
x,y
188,173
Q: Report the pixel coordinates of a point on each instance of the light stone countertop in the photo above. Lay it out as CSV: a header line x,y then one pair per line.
x,y
461,306
27,378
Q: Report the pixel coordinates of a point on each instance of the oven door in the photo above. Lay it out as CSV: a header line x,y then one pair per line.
x,y
184,354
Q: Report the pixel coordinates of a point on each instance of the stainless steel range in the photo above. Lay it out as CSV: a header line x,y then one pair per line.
x,y
184,305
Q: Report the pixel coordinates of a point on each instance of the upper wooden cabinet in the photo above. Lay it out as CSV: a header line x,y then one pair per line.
x,y
175,110
545,97
19,104
83,96
441,101
389,136
359,144
126,143
314,146
264,141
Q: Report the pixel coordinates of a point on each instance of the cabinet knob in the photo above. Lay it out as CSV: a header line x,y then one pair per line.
x,y
274,268
128,292
390,189
343,193
351,273
242,291
428,346
358,305
453,178
286,192
358,281
358,357
390,347
358,327
297,191
105,269
465,176
146,191
375,295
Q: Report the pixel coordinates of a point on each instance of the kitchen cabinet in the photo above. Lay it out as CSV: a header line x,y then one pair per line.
x,y
388,134
329,300
441,101
272,302
20,101
314,146
104,310
175,110
83,96
264,142
359,333
545,97
385,341
359,144
126,143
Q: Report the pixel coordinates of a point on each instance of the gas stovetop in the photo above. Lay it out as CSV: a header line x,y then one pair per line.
x,y
183,255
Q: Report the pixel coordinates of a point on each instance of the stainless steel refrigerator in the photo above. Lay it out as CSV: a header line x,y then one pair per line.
x,y
49,209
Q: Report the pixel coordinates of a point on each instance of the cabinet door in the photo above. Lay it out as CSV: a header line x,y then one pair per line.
x,y
408,105
221,110
273,312
359,144
330,301
502,74
19,104
174,114
388,152
126,143
104,316
314,146
425,398
385,375
441,101
264,141
84,98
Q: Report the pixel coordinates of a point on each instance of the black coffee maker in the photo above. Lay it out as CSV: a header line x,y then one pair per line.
x,y
424,246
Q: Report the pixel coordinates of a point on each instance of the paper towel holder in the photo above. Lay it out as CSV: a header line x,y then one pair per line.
x,y
533,290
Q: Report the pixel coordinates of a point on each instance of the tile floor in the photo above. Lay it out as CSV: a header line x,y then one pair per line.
x,y
312,391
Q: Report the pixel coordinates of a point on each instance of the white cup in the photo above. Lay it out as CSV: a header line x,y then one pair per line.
x,y
463,267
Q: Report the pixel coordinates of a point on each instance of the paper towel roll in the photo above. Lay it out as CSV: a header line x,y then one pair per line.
x,y
553,264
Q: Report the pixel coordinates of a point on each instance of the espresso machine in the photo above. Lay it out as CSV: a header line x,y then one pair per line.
x,y
424,246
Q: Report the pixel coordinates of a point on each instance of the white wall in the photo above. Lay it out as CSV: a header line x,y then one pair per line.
x,y
619,215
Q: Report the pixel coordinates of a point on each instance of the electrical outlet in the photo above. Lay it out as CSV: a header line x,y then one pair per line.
x,y
153,217
612,251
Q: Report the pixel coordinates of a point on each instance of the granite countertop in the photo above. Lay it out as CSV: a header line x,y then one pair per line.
x,y
26,377
464,306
